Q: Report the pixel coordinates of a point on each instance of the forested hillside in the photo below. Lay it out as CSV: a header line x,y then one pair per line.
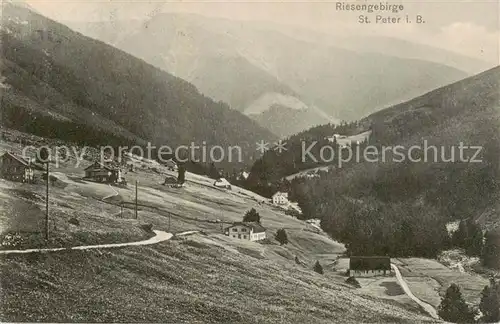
x,y
58,83
401,207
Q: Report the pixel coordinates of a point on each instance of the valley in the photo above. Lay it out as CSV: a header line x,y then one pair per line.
x,y
161,280
271,190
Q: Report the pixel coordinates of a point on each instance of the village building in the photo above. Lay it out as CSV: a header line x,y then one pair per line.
x,y
280,198
222,183
363,266
16,168
103,173
243,175
251,231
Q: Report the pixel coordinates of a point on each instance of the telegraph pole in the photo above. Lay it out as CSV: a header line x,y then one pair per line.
x,y
44,157
221,222
47,204
136,198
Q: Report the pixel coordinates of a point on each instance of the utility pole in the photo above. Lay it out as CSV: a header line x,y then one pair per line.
x,y
47,204
221,222
44,157
136,198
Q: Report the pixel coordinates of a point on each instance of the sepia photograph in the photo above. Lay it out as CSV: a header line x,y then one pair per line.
x,y
249,161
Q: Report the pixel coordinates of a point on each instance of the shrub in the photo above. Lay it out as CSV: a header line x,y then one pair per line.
x,y
147,227
318,267
353,282
252,216
281,236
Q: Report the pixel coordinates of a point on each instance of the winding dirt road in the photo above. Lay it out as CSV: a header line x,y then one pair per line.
x,y
427,307
160,236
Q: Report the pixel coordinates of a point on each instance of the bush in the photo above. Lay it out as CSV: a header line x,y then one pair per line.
x,y
252,216
281,236
353,282
74,221
147,227
318,268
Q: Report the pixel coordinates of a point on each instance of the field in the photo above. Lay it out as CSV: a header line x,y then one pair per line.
x,y
429,279
203,278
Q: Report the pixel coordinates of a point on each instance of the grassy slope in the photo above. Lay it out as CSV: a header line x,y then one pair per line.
x,y
206,278
429,279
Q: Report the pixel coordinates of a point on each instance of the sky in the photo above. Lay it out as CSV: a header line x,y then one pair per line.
x,y
470,28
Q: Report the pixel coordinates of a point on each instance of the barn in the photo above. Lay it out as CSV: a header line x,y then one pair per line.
x,y
369,265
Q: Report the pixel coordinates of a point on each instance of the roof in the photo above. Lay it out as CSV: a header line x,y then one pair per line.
x,y
170,161
19,159
100,165
370,263
222,181
279,193
256,227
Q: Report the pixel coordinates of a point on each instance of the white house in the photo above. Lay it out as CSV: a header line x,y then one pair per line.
x,y
251,231
280,198
222,183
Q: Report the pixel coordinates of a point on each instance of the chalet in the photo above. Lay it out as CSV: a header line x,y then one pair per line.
x,y
280,198
222,183
103,173
16,168
251,231
369,265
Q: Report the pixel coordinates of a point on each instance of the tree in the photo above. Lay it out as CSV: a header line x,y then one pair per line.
x,y
491,250
453,307
490,303
213,171
281,236
460,235
318,268
252,216
181,174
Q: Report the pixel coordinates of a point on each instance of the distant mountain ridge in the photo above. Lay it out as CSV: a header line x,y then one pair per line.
x,y
59,83
344,84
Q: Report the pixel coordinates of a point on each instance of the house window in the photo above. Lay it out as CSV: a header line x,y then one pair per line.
x,y
239,236
235,230
245,237
243,229
234,236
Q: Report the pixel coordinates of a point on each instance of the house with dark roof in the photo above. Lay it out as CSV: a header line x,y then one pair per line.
x,y
17,168
103,173
251,231
369,265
